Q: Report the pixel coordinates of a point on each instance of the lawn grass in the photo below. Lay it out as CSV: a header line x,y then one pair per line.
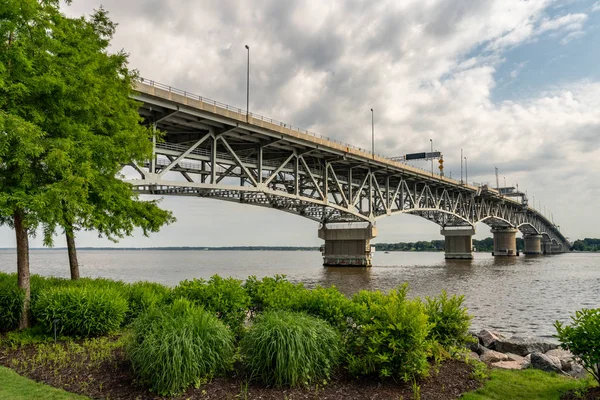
x,y
528,384
15,387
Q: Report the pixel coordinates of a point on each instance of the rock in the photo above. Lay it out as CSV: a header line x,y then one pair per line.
x,y
545,363
508,365
527,361
492,356
515,357
488,338
577,371
562,355
477,348
522,346
473,356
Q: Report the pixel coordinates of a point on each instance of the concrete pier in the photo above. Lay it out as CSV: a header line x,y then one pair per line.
x,y
347,246
505,242
533,244
458,242
546,247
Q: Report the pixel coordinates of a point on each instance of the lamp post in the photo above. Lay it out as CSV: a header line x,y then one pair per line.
x,y
247,83
373,133
431,156
461,166
466,172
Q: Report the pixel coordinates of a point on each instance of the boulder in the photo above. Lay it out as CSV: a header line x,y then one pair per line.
x,y
488,338
492,356
562,355
515,357
507,365
545,363
577,371
522,346
527,361
473,356
477,348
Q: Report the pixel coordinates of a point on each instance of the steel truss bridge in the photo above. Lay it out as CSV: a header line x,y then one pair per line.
x,y
209,149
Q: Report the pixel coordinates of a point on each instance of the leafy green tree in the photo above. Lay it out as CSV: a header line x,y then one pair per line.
x,y
68,125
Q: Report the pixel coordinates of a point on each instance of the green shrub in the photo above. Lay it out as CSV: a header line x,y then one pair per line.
x,y
179,345
142,296
274,293
387,337
80,311
450,320
582,338
284,348
226,298
328,304
11,302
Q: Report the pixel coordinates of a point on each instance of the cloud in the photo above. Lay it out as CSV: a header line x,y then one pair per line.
x,y
569,22
596,6
427,69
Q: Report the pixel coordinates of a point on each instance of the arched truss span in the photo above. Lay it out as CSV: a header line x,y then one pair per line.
x,y
208,152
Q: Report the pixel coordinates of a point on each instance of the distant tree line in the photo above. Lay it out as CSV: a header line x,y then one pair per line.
x,y
484,245
587,244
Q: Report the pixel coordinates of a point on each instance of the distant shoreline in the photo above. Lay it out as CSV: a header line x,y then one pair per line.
x,y
227,248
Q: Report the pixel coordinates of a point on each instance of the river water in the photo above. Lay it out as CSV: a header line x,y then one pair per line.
x,y
519,295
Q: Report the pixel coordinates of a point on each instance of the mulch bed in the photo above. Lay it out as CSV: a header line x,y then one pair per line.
x,y
592,394
113,378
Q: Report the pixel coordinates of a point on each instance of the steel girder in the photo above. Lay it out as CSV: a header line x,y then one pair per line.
x,y
206,154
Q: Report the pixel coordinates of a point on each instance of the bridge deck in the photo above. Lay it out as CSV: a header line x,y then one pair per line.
x,y
182,97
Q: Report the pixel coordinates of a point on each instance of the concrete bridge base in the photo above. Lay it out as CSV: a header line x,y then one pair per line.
x,y
346,246
458,242
547,247
505,242
533,244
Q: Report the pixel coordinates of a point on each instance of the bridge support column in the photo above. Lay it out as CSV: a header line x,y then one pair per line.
x,y
505,242
533,244
346,246
546,247
458,242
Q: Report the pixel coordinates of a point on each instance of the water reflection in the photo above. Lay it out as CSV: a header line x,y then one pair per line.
x,y
347,279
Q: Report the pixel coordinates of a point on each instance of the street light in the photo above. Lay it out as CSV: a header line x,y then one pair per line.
x,y
373,133
431,156
466,172
461,166
247,82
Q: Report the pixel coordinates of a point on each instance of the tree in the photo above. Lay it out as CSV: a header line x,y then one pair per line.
x,y
69,125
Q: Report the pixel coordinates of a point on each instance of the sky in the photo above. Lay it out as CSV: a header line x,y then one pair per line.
x,y
515,84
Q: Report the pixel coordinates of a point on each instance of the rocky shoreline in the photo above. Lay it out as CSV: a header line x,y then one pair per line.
x,y
517,352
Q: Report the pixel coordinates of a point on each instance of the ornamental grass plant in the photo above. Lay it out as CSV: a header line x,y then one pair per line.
x,y
285,348
179,345
142,296
80,311
11,302
224,297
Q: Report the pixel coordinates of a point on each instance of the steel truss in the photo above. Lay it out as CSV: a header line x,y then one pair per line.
x,y
204,153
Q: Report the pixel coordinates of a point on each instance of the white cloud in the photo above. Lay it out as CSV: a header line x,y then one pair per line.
x,y
569,22
596,6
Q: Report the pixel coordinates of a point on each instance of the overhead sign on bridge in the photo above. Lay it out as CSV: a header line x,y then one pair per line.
x,y
420,156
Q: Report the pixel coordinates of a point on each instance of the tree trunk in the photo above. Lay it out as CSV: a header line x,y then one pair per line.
x,y
22,236
72,250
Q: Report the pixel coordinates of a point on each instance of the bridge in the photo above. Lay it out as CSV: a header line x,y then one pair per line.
x,y
209,149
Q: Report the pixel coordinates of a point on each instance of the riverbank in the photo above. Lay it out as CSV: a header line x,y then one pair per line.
x,y
382,344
